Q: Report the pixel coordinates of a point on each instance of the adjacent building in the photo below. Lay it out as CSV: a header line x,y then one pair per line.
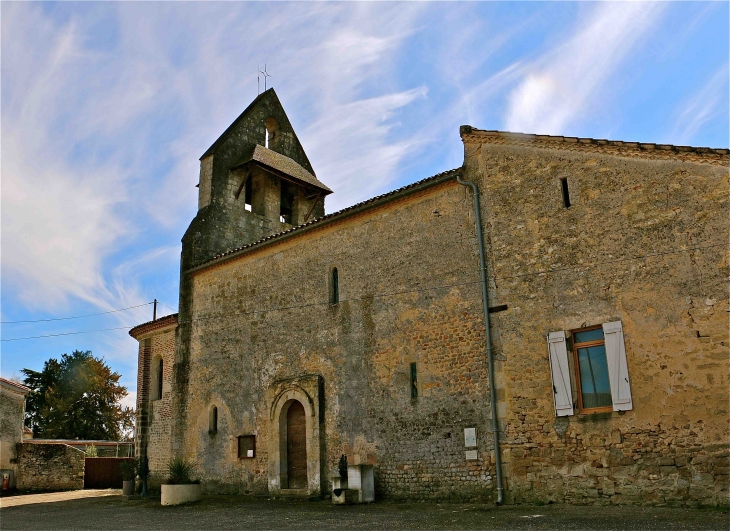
x,y
303,336
12,418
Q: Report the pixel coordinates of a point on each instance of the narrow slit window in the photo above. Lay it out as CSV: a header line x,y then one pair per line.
x,y
266,140
335,290
248,194
158,394
414,380
213,420
286,202
566,192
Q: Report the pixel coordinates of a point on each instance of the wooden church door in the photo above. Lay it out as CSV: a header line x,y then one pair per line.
x,y
296,446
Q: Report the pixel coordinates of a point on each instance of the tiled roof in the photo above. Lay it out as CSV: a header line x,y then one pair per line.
x,y
151,326
612,147
282,163
17,387
373,201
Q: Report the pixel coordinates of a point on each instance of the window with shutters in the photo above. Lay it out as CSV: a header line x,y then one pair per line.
x,y
599,376
591,370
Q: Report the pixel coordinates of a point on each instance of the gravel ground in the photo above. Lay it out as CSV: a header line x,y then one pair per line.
x,y
233,512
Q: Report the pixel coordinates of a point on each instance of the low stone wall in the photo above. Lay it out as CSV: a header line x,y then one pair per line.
x,y
50,467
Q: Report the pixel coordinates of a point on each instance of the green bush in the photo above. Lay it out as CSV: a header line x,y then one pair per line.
x,y
180,472
129,469
92,451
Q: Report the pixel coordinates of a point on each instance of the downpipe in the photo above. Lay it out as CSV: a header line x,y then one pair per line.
x,y
490,359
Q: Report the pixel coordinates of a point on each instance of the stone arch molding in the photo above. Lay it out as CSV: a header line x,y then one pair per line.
x,y
281,394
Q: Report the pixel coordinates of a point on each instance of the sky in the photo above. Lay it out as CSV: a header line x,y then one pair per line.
x,y
106,107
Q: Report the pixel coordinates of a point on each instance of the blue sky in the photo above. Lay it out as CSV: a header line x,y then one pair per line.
x,y
106,108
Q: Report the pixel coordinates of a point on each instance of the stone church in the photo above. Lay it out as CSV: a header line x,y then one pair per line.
x,y
547,322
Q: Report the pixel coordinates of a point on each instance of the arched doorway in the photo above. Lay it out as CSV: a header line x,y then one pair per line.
x,y
296,446
294,442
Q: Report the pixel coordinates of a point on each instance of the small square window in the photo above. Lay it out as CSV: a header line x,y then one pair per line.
x,y
246,446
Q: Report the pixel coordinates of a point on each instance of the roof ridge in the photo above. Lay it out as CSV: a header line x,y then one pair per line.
x,y
628,147
326,217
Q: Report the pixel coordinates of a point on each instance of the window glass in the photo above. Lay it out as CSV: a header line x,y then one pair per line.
x,y
588,335
595,387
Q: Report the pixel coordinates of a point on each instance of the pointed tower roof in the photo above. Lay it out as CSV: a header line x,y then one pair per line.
x,y
266,104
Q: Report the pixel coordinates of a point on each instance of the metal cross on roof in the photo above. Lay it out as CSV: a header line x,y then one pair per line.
x,y
258,77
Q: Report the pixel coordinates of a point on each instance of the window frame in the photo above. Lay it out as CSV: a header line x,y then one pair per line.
x,y
253,446
576,368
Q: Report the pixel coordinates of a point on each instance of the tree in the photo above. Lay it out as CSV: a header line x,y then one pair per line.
x,y
76,398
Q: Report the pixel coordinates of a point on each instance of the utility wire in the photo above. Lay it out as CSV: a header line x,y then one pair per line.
x,y
377,295
76,317
166,306
68,333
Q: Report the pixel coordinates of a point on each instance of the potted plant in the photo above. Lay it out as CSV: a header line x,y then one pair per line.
x,y
179,486
129,471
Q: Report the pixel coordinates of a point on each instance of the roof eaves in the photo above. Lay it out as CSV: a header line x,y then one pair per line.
x,y
151,326
363,205
468,131
15,385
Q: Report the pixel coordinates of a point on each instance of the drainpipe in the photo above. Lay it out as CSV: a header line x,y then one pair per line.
x,y
488,339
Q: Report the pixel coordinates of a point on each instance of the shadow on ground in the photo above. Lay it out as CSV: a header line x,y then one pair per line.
x,y
239,512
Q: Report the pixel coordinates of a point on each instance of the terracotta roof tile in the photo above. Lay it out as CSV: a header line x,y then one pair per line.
x,y
339,214
282,163
150,326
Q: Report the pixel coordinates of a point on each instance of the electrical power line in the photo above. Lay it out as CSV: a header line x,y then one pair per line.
x,y
68,333
77,316
166,306
377,295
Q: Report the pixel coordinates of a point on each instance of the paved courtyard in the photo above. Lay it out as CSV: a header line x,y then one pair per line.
x,y
109,510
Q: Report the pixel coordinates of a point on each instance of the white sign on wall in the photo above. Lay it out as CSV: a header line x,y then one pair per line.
x,y
471,455
470,437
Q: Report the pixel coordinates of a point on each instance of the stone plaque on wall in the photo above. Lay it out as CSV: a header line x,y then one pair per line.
x,y
472,455
470,437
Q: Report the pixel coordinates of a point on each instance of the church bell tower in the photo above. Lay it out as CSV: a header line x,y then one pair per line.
x,y
255,181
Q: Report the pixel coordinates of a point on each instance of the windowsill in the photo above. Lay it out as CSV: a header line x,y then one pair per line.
x,y
593,416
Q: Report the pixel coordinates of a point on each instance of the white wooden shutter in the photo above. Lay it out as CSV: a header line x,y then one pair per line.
x,y
562,393
618,371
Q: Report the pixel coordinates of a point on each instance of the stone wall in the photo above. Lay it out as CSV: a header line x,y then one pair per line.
x,y
12,411
154,413
404,298
50,467
644,242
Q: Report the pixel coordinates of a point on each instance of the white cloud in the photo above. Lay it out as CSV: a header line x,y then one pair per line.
x,y
130,400
560,87
84,170
708,102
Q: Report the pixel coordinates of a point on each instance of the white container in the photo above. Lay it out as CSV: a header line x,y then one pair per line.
x,y
361,478
179,494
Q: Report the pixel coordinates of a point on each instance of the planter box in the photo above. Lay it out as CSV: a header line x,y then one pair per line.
x,y
178,494
128,488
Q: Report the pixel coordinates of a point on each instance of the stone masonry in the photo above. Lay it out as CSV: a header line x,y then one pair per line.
x,y
372,318
154,410
50,467
645,241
